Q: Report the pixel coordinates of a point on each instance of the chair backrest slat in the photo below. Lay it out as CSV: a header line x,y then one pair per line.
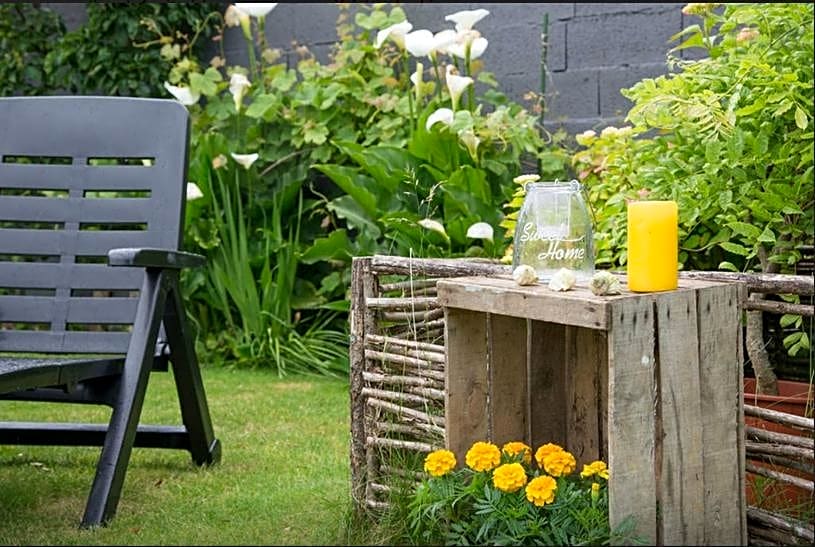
x,y
78,177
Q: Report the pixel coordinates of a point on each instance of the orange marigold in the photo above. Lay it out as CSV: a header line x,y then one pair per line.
x,y
541,490
483,456
515,448
559,463
544,451
440,462
509,477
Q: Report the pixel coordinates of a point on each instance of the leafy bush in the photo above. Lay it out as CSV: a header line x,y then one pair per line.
x,y
306,203
114,53
26,36
728,136
500,498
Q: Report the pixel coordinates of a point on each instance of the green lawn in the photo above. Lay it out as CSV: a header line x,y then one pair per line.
x,y
284,477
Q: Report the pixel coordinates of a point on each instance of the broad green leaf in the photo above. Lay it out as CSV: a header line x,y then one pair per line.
x,y
335,246
734,248
801,118
747,230
348,179
727,266
767,236
347,208
261,105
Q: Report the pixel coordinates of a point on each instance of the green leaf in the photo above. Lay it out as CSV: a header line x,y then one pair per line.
x,y
789,319
734,248
335,246
747,230
348,179
801,118
728,266
261,105
202,84
767,236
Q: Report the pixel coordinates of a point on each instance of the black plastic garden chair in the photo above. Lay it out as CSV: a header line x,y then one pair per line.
x,y
92,196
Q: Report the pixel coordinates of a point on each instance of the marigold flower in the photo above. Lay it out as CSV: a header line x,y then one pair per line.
x,y
558,464
541,490
440,462
509,477
595,468
515,448
595,491
545,450
483,456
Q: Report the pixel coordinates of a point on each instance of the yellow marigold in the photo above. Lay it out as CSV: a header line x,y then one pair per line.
x,y
509,477
541,490
595,468
559,463
514,448
595,491
440,462
483,456
545,450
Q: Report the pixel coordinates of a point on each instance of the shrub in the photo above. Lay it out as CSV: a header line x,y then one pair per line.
x,y
26,36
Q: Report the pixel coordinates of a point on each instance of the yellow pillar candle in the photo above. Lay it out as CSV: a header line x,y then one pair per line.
x,y
653,259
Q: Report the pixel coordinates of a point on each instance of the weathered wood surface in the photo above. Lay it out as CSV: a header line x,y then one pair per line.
x,y
760,282
436,267
507,379
546,348
792,420
680,467
586,392
719,350
632,401
467,380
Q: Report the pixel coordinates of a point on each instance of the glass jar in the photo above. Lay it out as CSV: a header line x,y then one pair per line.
x,y
554,231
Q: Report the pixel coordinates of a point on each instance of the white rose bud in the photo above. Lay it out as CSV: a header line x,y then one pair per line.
x,y
563,280
525,275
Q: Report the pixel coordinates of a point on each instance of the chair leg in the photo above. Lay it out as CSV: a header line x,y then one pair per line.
x,y
115,455
204,447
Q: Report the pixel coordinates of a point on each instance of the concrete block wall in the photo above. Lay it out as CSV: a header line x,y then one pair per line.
x,y
594,49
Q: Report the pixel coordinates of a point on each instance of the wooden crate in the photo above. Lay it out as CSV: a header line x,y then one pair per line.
x,y
649,383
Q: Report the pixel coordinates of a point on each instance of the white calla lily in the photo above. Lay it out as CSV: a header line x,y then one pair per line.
x,y
456,85
395,32
471,142
237,86
444,115
182,94
477,49
433,225
465,20
254,9
480,230
443,40
419,42
246,160
193,192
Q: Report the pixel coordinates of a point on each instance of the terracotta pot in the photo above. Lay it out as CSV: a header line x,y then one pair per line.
x,y
793,398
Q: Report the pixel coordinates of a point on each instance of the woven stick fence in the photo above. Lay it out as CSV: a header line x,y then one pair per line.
x,y
397,357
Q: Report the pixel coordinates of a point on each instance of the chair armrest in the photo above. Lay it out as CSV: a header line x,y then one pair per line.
x,y
154,258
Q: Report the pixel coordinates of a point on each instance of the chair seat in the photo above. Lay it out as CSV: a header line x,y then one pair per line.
x,y
18,373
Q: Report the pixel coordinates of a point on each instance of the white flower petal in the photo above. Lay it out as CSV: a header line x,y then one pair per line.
x,y
419,42
253,9
193,192
444,115
456,84
478,47
237,86
465,20
246,160
182,94
433,225
395,32
443,39
480,230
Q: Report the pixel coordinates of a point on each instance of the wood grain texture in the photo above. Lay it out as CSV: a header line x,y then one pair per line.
x,y
507,379
466,380
547,383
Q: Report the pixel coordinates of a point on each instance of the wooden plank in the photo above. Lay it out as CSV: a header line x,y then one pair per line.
x,y
547,383
720,382
466,380
680,470
507,379
631,416
537,302
585,355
